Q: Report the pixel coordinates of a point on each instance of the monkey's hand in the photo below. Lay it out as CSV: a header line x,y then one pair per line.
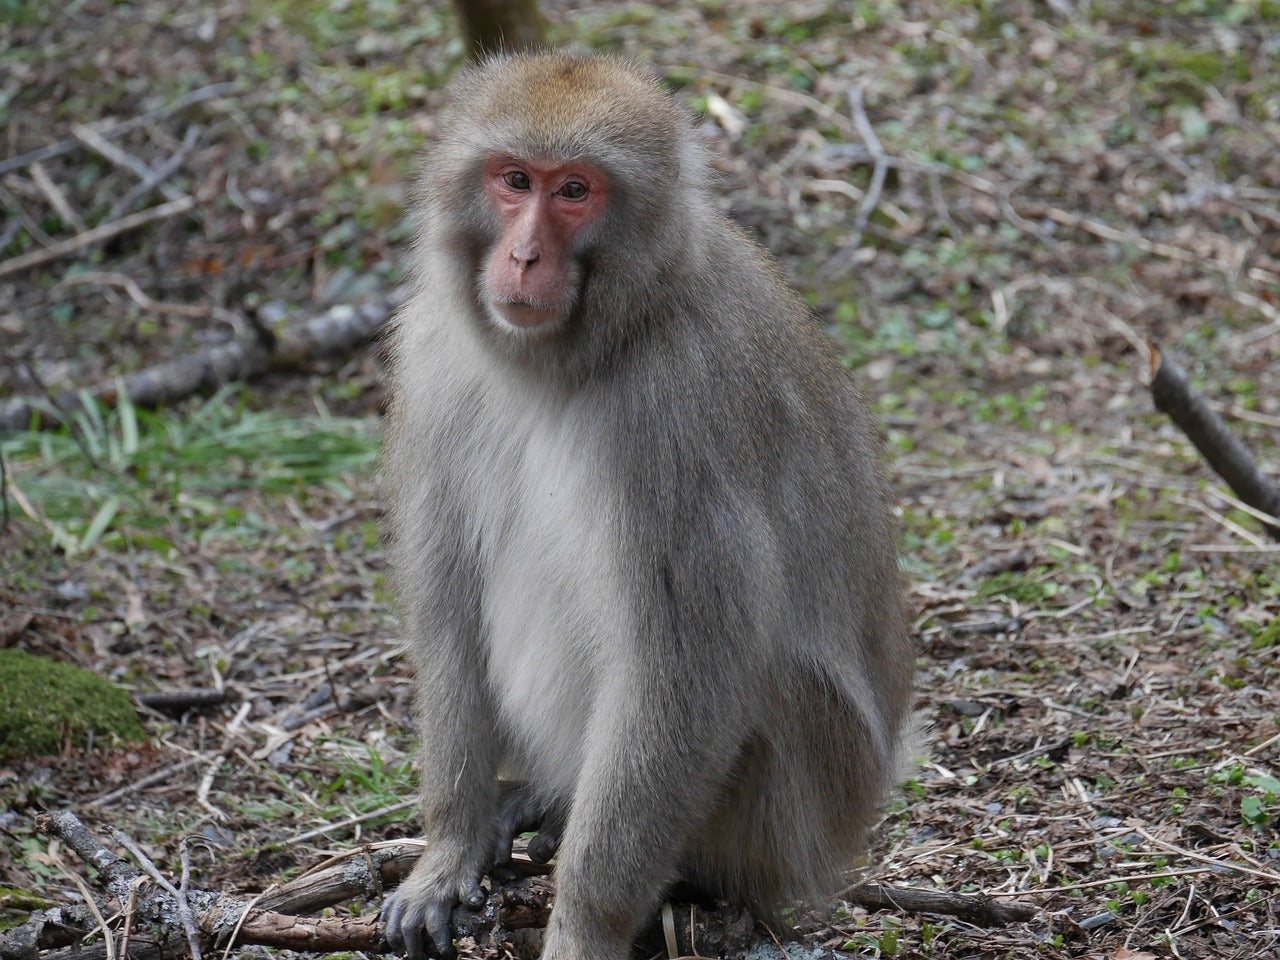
x,y
419,908
520,810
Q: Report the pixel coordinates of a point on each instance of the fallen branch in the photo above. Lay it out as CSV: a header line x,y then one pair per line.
x,y
157,177
270,919
133,221
113,153
177,702
1173,395
878,173
972,907
338,328
519,905
57,199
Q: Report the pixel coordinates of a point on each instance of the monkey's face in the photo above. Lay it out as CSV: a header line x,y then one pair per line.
x,y
532,275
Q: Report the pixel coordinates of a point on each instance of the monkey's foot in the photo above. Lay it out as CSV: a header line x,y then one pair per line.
x,y
521,810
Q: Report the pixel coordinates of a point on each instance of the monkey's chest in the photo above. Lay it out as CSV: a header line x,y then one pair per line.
x,y
552,600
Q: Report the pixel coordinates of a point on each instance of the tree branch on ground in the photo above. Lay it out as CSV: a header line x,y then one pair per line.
x,y
518,906
1174,396
42,255
49,151
339,328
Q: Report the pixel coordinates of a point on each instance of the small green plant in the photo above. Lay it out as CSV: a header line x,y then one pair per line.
x,y
120,476
1260,808
365,781
1029,588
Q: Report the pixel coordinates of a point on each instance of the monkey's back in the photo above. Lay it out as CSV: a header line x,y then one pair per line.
x,y
771,530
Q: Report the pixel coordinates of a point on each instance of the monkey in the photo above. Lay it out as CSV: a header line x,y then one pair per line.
x,y
640,532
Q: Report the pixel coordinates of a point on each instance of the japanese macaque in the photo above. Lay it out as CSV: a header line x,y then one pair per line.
x,y
643,546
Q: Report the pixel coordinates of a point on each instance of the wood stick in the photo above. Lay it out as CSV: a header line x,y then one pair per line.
x,y
340,327
100,145
35,258
973,907
1173,395
158,175
519,902
57,199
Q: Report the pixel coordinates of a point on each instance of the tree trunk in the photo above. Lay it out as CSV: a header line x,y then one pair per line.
x,y
495,26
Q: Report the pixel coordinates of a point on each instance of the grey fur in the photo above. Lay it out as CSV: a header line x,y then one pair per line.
x,y
647,559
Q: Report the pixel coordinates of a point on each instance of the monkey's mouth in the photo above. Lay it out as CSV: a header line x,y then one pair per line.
x,y
526,314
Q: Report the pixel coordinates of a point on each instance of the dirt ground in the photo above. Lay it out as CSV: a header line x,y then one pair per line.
x,y
1064,184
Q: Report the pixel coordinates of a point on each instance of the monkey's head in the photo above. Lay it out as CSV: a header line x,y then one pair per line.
x,y
565,184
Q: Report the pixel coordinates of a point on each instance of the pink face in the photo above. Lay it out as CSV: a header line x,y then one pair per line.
x,y
531,279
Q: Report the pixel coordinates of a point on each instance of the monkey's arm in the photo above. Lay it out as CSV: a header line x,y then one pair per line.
x,y
458,751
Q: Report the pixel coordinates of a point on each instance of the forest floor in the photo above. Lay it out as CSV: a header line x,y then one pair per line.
x,y
1066,183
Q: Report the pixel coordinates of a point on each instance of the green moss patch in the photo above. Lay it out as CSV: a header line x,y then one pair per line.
x,y
46,704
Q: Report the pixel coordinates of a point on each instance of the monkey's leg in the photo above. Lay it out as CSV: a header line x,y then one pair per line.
x,y
648,784
521,809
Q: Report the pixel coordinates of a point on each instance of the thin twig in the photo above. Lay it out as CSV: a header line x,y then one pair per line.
x,y
130,911
158,777
352,821
4,493
795,97
184,903
102,232
126,283
14,205
57,199
1222,521
180,897
1232,548
206,782
234,936
157,177
1258,748
878,172
1269,519
1105,881
108,940
100,145
1212,861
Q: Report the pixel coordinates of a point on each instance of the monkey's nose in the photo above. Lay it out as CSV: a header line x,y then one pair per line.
x,y
525,255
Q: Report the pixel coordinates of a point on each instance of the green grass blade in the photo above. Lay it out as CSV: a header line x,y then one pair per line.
x,y
101,521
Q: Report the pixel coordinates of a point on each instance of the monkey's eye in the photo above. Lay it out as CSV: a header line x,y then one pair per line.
x,y
517,180
573,190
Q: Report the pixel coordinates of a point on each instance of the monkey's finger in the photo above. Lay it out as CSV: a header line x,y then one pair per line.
x,y
415,944
392,911
544,846
471,893
437,925
502,847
